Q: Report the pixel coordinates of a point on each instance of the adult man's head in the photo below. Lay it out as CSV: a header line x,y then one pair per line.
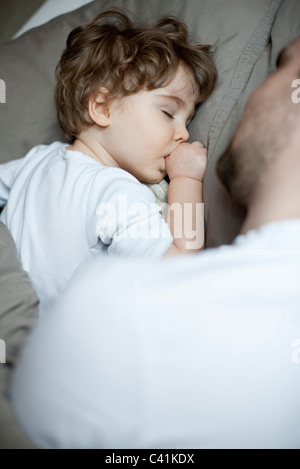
x,y
264,154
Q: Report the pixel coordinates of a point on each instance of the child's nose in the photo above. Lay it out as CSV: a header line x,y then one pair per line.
x,y
181,134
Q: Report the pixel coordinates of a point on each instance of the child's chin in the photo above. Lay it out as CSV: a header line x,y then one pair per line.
x,y
159,178
155,178
156,181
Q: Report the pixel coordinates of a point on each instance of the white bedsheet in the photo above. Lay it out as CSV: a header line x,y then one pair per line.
x,y
50,9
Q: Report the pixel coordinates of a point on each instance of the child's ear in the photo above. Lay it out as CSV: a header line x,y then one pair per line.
x,y
99,108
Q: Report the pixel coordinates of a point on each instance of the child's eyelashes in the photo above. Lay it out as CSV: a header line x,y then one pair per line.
x,y
168,114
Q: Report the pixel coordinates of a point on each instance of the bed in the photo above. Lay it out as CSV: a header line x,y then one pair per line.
x,y
246,38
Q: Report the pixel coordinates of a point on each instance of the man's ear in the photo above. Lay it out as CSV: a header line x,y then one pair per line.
x,y
99,108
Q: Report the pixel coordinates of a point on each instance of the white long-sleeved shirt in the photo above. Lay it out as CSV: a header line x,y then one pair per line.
x,y
62,206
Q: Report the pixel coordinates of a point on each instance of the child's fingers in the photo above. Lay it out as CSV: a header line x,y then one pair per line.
x,y
197,143
188,159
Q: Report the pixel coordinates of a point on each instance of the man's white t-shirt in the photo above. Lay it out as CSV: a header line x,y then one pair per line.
x,y
203,352
62,206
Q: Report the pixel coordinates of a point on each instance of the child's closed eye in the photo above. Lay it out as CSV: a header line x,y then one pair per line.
x,y
168,114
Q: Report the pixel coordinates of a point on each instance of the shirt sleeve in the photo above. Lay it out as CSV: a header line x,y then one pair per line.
x,y
130,222
7,175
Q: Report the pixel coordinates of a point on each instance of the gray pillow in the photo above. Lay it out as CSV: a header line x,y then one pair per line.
x,y
11,435
19,302
18,312
239,32
277,27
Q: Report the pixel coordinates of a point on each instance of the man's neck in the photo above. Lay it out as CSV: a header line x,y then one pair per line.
x,y
280,204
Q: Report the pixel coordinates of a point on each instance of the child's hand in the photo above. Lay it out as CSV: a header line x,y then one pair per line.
x,y
189,160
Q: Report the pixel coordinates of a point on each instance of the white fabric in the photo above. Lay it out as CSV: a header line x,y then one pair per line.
x,y
49,10
63,206
194,352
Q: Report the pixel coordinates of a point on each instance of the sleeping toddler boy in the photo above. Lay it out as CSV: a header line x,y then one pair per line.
x,y
125,95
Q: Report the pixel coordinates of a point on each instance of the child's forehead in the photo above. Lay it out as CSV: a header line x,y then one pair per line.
x,y
180,90
182,85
